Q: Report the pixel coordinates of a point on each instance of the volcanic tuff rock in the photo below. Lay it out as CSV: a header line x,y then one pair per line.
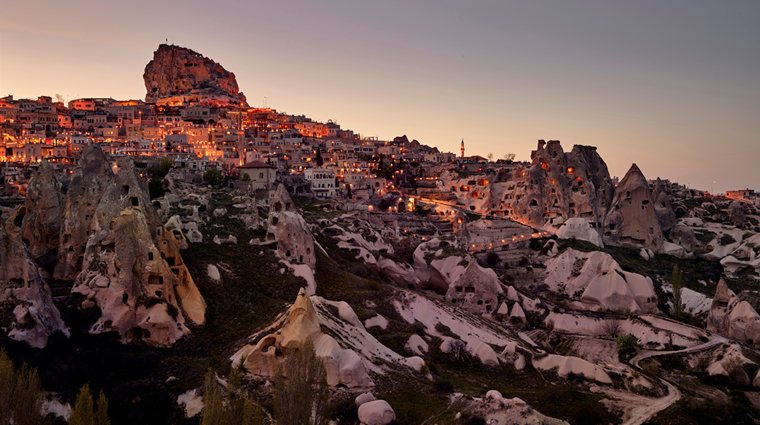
x,y
289,230
631,219
476,289
735,213
290,332
25,299
575,184
662,208
42,212
732,317
132,270
177,70
88,183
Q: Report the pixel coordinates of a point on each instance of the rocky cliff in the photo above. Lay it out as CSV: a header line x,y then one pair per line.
x,y
177,71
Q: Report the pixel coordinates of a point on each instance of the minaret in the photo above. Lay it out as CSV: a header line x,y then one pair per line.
x,y
462,148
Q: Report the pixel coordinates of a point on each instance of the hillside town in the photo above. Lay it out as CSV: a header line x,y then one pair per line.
x,y
192,237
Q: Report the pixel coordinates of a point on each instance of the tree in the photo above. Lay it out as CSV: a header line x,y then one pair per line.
x,y
239,409
213,177
301,388
677,281
508,157
612,328
156,187
85,412
490,156
20,393
246,177
165,164
348,191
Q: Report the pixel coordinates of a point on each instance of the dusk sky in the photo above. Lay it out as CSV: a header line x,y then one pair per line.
x,y
672,86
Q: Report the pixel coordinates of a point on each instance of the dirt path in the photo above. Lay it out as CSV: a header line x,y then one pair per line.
x,y
641,414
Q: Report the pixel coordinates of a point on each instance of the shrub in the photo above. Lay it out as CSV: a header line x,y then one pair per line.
x,y
304,392
213,177
20,393
726,240
85,412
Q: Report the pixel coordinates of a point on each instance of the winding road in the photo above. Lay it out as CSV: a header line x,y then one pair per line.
x,y
641,414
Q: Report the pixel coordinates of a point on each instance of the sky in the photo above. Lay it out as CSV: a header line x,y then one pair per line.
x,y
671,86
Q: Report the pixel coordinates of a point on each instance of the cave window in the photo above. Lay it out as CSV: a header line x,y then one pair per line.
x,y
277,207
480,302
275,220
125,190
612,226
533,203
124,298
469,289
159,293
287,253
488,308
150,256
300,258
170,261
459,289
135,201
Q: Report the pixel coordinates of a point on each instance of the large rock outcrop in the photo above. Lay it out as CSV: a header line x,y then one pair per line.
x,y
28,312
290,332
557,185
289,230
89,181
666,216
631,219
597,280
42,212
732,317
477,290
176,71
132,270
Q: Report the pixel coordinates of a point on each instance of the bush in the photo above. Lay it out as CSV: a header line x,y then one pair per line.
x,y
213,177
20,393
156,187
304,392
726,240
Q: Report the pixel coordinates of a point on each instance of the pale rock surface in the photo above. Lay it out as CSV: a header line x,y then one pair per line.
x,y
444,271
597,280
192,402
288,230
23,288
377,412
567,364
378,321
364,398
213,272
517,314
476,289
731,317
192,234
301,322
174,225
579,228
401,274
483,352
220,212
631,219
177,70
230,239
416,345
683,235
503,309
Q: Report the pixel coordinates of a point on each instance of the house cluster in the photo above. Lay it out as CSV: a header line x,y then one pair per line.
x,y
258,145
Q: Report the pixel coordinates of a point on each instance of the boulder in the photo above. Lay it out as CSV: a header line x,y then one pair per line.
x,y
579,228
578,366
683,235
377,412
598,281
288,230
25,298
476,289
731,317
631,219
177,70
364,398
416,345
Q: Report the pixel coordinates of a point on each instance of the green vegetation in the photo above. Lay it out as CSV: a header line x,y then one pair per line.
x,y
677,282
626,346
213,177
726,239
239,409
85,412
20,393
301,388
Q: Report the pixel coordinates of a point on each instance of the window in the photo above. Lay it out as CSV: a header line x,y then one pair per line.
x,y
261,175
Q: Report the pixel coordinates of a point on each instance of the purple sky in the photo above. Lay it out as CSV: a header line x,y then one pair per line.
x,y
672,86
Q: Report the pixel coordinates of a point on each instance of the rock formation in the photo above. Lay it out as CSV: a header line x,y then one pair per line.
x,y
557,184
301,323
598,281
177,71
42,212
25,300
579,228
289,231
377,412
131,268
735,214
88,183
662,208
631,219
683,235
476,289
732,317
